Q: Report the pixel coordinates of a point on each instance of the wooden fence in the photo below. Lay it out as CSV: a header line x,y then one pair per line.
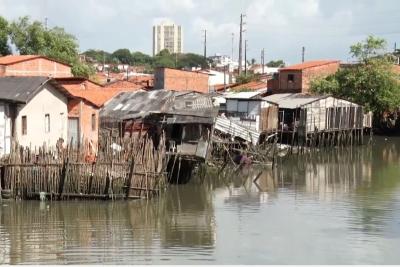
x,y
121,168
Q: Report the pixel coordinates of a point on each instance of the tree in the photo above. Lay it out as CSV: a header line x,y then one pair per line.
x,y
4,32
124,56
33,38
190,60
99,56
83,70
164,59
370,48
276,64
372,82
140,58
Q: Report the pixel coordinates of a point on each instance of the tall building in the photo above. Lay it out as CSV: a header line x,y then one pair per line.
x,y
167,36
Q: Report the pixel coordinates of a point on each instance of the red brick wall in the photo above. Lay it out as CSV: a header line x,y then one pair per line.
x,y
179,80
37,67
317,72
82,110
302,78
285,86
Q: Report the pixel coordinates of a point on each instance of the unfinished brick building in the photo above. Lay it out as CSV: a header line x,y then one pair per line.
x,y
297,78
180,80
33,65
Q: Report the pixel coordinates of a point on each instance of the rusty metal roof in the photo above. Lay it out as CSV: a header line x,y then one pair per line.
x,y
140,104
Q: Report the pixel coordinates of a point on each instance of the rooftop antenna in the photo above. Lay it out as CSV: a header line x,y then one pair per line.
x,y
303,51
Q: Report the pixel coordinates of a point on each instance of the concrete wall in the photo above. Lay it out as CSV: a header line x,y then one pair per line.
x,y
5,128
80,109
180,80
48,101
37,67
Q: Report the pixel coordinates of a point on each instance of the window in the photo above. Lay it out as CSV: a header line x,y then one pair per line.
x,y
290,77
93,122
47,123
24,125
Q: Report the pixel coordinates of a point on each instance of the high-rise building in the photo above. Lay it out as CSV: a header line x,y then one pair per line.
x,y
167,36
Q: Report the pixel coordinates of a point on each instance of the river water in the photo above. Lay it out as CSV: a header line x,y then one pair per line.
x,y
338,207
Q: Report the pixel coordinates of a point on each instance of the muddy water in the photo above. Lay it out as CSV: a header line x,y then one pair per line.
x,y
328,208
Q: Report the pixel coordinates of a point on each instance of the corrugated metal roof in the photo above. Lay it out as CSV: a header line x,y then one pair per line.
x,y
139,104
245,95
293,100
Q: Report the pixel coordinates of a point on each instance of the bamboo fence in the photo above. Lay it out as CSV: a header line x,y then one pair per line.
x,y
120,168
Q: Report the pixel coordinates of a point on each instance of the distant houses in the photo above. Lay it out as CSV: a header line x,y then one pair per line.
x,y
42,103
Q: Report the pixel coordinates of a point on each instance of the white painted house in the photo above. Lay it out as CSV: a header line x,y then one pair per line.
x,y
33,112
250,110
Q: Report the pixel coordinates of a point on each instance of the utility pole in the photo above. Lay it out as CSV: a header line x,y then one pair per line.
x,y
224,78
205,43
45,23
241,42
245,57
262,60
303,51
233,38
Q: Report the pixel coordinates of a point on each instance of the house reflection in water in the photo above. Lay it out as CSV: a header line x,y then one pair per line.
x,y
79,232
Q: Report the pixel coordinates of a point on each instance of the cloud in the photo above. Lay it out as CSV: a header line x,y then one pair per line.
x,y
327,28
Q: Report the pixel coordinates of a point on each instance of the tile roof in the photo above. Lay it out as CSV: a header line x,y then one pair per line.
x,y
87,90
12,59
251,86
309,64
123,85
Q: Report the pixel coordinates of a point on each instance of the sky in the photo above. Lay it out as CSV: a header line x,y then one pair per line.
x,y
326,28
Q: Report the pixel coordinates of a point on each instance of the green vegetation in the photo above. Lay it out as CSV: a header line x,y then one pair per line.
x,y
162,59
246,78
372,82
32,38
276,64
4,32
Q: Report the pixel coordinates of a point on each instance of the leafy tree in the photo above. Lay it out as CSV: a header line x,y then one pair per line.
x,y
83,70
124,56
32,38
98,56
4,32
164,59
372,82
276,64
190,60
140,58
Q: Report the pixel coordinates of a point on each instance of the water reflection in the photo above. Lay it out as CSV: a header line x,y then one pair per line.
x,y
113,232
335,207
